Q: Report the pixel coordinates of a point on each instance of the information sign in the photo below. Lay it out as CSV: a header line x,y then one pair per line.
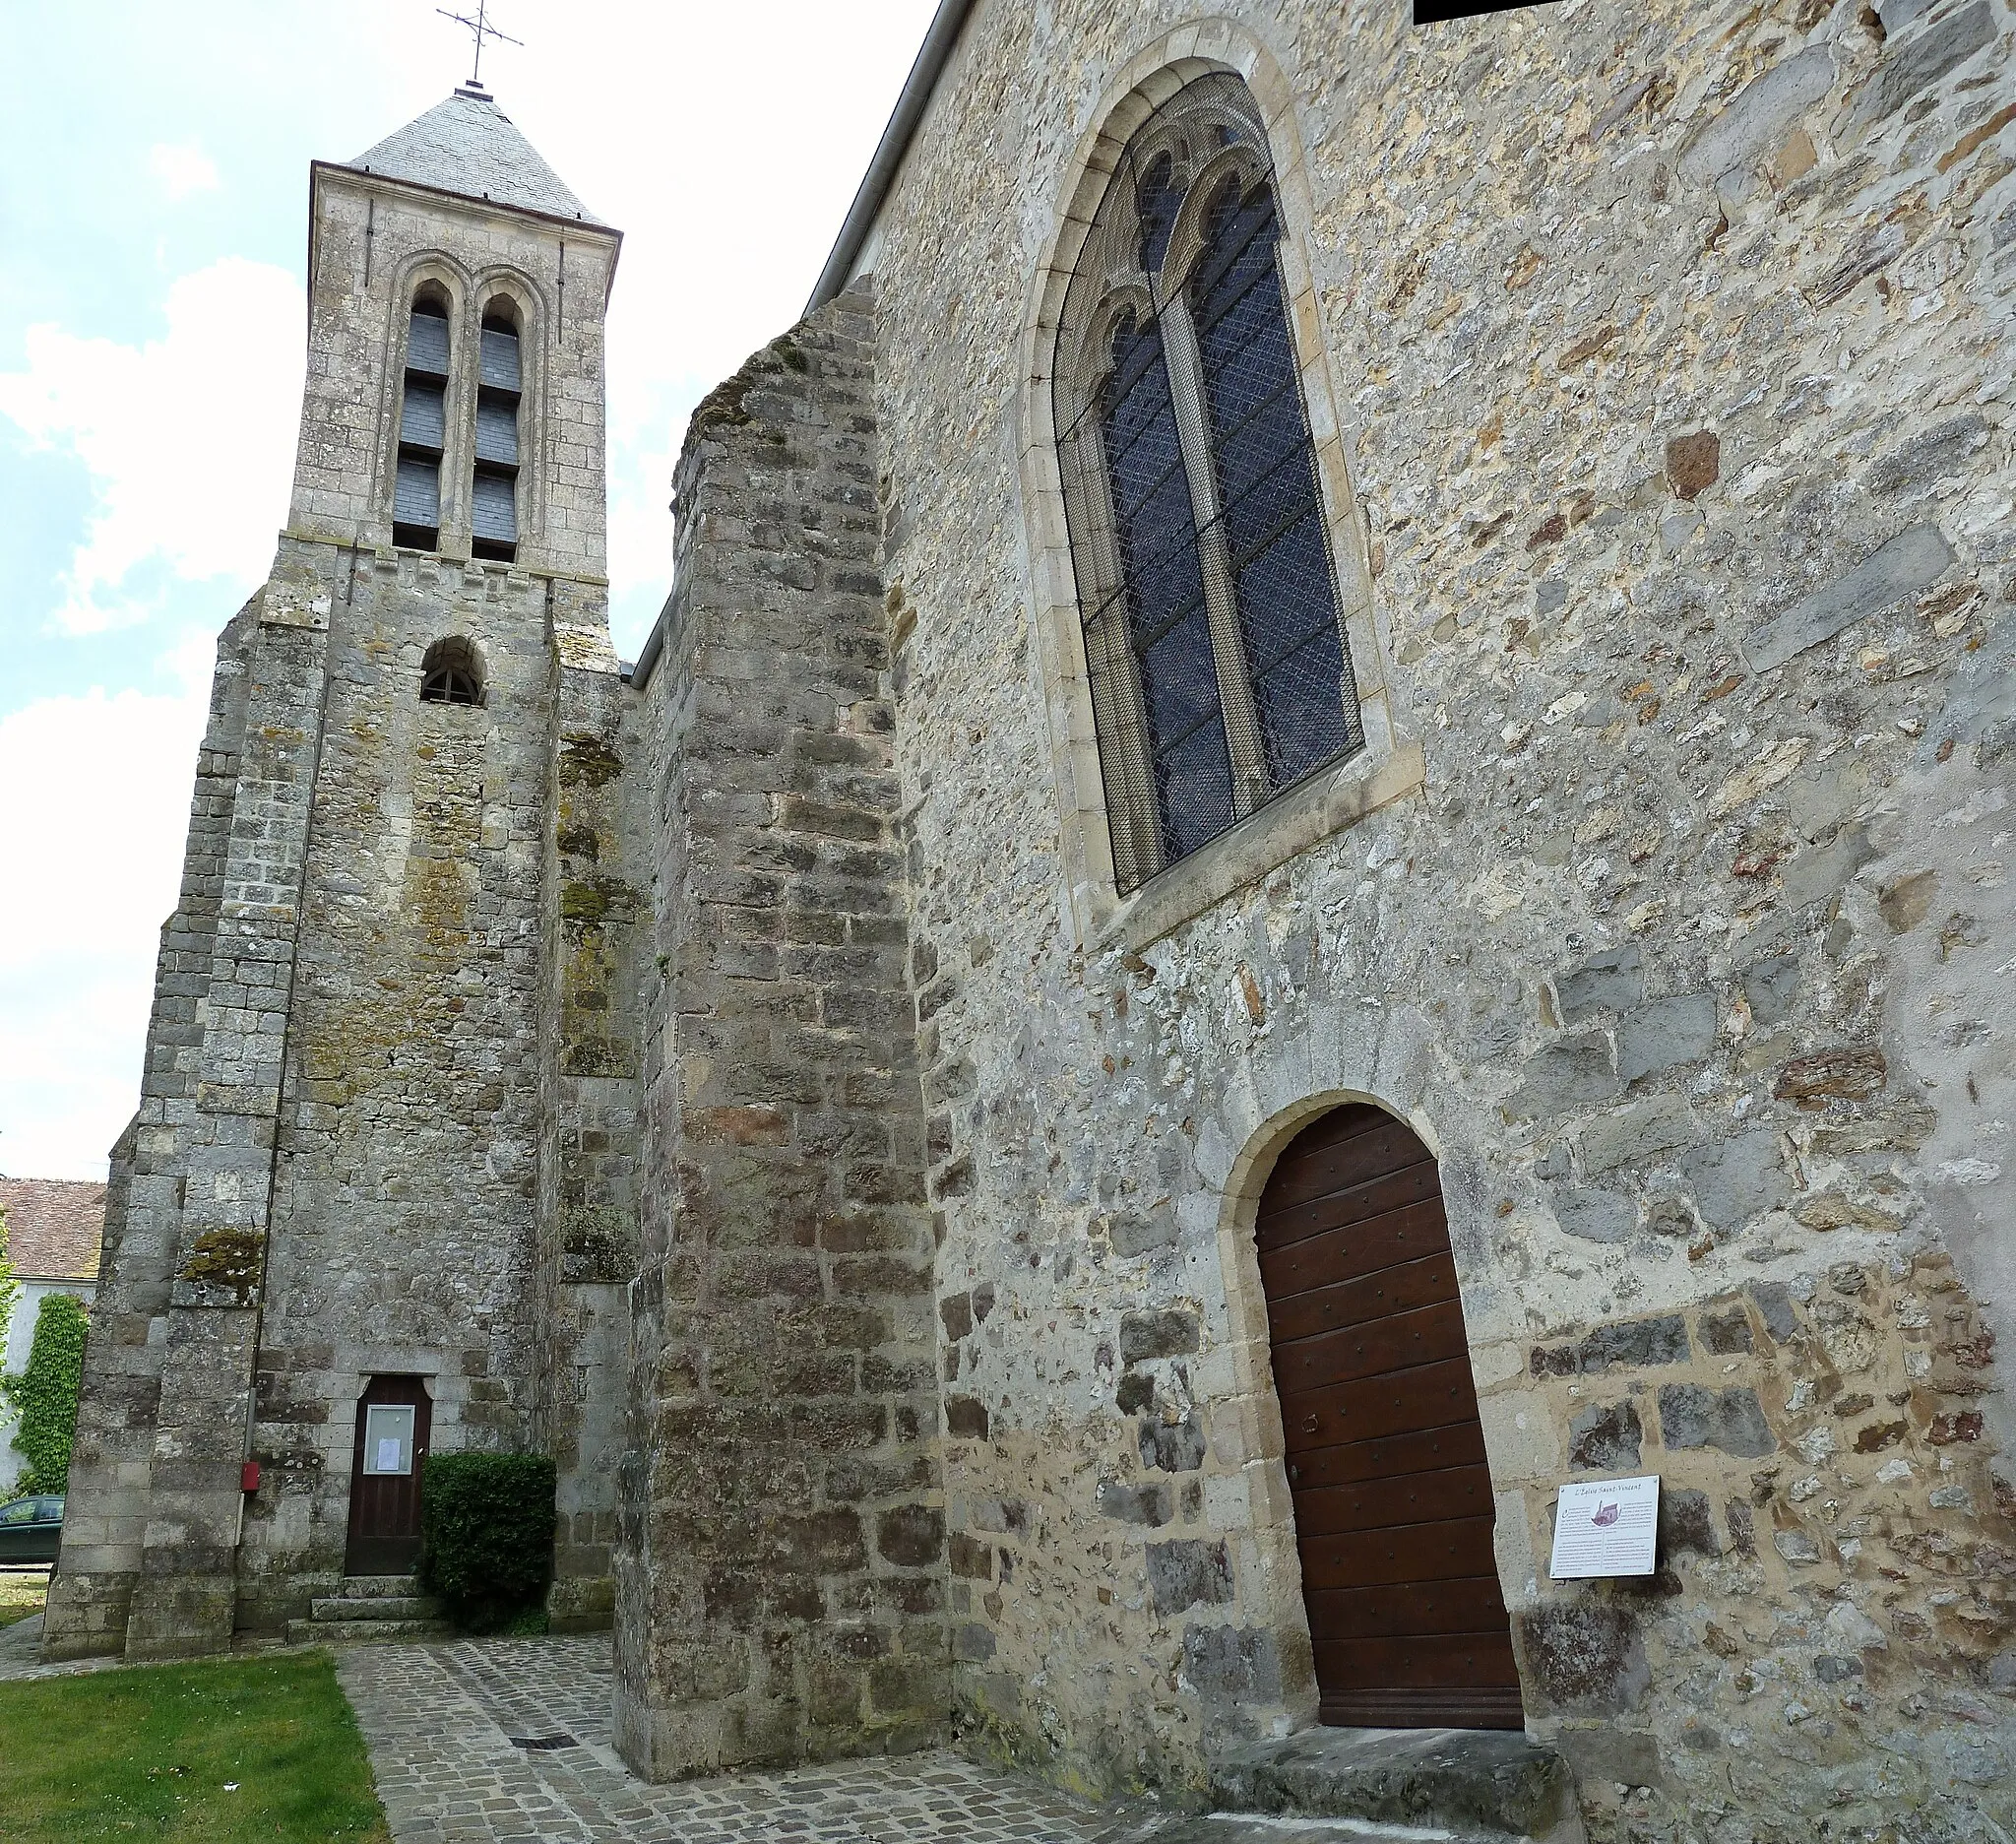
x,y
1606,1527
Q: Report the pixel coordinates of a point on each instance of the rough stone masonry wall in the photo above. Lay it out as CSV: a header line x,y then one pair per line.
x,y
780,1573
594,930
408,1182
161,1494
106,1514
1672,351
376,239
336,1169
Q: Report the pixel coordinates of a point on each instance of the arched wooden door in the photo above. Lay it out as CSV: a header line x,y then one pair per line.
x,y
1385,1454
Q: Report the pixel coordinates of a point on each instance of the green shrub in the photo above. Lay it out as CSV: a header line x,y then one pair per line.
x,y
487,1534
44,1395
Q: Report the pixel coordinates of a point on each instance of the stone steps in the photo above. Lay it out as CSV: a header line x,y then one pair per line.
x,y
352,1631
375,1587
1227,1827
353,1607
371,1607
1470,1786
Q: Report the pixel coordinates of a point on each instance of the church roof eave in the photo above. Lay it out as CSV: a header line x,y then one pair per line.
x,y
918,89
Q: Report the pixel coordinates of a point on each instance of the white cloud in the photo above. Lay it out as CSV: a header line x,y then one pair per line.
x,y
91,836
189,439
181,170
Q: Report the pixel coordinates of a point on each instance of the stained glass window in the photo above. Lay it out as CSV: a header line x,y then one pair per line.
x,y
1219,671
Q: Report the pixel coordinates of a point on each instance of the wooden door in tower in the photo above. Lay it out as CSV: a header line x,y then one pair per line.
x,y
393,1420
1385,1453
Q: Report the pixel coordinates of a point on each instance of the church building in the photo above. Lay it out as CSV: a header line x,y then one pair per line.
x,y
1315,851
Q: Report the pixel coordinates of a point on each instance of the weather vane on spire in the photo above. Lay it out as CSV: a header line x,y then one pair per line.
x,y
481,28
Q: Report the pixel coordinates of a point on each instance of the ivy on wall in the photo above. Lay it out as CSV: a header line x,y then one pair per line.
x,y
44,1394
10,1288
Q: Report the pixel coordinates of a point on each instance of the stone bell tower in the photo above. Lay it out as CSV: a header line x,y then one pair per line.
x,y
382,1176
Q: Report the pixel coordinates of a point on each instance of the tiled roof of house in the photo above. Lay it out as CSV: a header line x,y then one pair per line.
x,y
54,1227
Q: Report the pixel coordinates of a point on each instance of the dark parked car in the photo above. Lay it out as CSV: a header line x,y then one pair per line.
x,y
30,1529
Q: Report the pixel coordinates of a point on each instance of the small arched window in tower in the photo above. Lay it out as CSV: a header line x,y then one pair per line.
x,y
422,426
495,499
1213,635
452,673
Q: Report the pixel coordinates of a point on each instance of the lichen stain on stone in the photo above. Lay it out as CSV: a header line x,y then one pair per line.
x,y
598,1244
598,900
587,761
583,903
225,1261
578,841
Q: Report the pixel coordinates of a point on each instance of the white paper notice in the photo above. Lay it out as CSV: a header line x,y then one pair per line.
x,y
388,1456
1606,1527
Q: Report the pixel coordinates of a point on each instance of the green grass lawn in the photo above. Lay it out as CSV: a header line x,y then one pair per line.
x,y
244,1749
22,1593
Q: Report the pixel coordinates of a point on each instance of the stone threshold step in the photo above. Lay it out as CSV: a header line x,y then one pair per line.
x,y
1479,1786
1230,1827
378,1587
340,1631
381,1606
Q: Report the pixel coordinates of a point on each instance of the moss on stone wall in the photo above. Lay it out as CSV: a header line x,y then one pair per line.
x,y
225,1261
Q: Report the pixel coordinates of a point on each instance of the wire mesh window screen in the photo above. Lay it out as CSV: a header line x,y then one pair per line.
x,y
1219,670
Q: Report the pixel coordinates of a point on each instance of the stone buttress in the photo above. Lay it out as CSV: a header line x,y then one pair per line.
x,y
779,1578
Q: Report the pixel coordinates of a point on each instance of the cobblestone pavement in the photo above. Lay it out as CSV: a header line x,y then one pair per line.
x,y
445,1726
21,1655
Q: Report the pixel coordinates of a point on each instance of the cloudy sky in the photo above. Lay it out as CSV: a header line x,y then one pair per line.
x,y
152,235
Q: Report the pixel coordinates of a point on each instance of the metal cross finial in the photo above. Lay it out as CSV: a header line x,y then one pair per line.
x,y
482,28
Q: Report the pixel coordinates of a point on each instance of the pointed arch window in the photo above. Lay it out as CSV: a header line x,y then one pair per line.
x,y
493,496
1214,638
422,426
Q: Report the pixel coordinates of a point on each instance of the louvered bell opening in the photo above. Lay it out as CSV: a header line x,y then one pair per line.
x,y
496,508
500,370
497,428
426,343
416,499
424,418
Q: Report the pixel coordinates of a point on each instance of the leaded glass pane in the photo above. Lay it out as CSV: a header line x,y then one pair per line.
x,y
1265,482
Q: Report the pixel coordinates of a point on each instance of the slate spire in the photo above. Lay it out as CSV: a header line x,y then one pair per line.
x,y
466,143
